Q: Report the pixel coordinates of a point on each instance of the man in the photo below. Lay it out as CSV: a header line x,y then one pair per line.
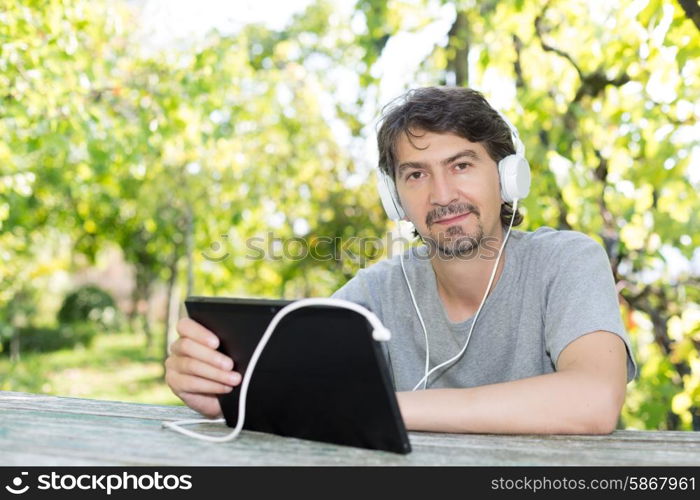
x,y
548,352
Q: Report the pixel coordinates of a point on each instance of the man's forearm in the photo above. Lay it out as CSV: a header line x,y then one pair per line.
x,y
569,402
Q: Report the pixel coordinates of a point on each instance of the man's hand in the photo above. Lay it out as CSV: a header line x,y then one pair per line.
x,y
196,372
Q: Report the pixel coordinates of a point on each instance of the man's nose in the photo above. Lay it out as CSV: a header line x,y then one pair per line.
x,y
443,191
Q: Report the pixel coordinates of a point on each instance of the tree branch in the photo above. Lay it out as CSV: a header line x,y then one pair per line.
x,y
458,37
550,48
517,67
692,11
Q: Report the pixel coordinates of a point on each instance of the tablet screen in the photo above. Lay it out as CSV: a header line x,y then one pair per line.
x,y
321,375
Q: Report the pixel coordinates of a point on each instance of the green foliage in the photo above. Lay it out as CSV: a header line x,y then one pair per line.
x,y
44,339
89,303
115,367
163,154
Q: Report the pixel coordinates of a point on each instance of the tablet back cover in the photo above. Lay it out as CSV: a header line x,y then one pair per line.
x,y
321,375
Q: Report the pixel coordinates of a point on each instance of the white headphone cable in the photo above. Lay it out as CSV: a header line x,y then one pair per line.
x,y
379,332
424,380
422,324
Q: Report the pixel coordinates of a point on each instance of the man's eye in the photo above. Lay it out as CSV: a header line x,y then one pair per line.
x,y
462,166
413,175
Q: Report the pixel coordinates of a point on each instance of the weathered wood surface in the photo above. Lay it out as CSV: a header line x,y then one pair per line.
x,y
49,430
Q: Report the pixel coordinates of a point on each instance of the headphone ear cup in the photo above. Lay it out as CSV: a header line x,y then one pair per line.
x,y
514,172
389,197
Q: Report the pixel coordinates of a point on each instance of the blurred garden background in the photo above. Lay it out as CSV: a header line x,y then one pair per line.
x,y
155,149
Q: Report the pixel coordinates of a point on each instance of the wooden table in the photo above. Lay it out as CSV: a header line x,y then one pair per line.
x,y
55,431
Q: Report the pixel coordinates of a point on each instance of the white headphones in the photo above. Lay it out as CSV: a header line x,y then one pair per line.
x,y
513,171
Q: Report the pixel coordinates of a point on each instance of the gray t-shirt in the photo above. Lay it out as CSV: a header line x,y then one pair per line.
x,y
555,287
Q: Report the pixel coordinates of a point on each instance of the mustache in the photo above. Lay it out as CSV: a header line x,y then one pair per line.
x,y
454,209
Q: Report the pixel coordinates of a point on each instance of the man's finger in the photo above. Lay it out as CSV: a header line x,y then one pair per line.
x,y
189,328
186,347
188,383
191,366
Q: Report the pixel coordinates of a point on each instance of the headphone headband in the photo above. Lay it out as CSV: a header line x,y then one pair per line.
x,y
514,135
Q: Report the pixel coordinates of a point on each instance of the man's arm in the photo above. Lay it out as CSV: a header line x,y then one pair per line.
x,y
584,396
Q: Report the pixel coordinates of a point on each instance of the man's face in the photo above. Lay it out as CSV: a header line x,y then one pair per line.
x,y
449,189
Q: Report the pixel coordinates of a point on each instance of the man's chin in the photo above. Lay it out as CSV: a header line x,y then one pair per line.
x,y
455,247
460,249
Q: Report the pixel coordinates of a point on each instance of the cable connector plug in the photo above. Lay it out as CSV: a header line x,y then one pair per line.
x,y
381,334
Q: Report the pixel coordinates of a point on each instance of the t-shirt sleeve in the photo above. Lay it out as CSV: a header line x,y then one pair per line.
x,y
581,297
353,290
359,291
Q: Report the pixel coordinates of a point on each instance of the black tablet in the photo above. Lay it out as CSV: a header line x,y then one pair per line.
x,y
321,375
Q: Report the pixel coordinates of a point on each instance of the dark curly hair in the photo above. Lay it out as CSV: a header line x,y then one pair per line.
x,y
461,111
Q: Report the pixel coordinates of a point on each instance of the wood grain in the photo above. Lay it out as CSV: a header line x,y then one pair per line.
x,y
48,430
